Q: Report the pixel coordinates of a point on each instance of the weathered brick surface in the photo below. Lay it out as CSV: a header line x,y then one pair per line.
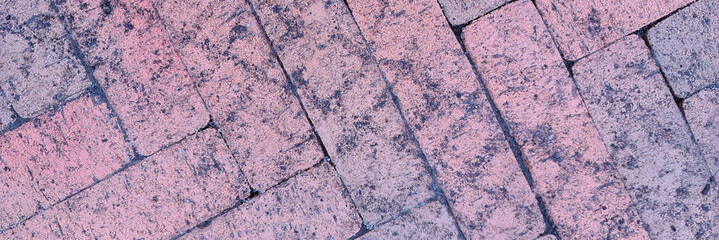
x,y
702,114
572,170
449,113
164,194
547,237
243,86
348,101
37,64
137,67
463,11
311,205
685,45
57,154
431,221
581,27
6,114
646,135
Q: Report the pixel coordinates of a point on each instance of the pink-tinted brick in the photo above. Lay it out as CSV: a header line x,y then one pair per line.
x,y
581,27
57,154
311,205
136,65
702,114
243,86
459,12
646,135
572,171
449,113
347,99
431,221
6,114
36,61
685,45
168,192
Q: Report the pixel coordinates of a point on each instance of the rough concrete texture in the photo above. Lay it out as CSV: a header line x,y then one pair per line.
x,y
311,205
56,155
572,171
702,114
6,113
347,98
158,197
581,27
431,221
685,45
134,62
646,135
451,117
244,87
37,64
460,12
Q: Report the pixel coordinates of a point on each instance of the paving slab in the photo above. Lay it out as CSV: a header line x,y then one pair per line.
x,y
311,205
37,61
572,171
167,193
57,154
646,135
139,70
6,113
348,101
431,221
581,27
702,114
244,87
460,12
448,112
685,45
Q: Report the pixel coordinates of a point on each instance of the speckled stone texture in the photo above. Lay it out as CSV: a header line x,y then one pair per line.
x,y
6,114
158,197
685,45
57,154
646,135
581,27
460,12
347,99
449,113
37,64
702,113
431,221
244,87
572,171
137,67
311,205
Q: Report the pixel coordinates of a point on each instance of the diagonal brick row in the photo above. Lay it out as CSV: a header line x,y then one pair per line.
x,y
159,197
431,221
56,155
347,99
449,113
460,12
244,87
646,135
572,171
133,61
702,114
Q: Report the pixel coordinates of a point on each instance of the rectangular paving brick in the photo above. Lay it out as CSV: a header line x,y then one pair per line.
x,y
36,60
451,118
168,192
702,114
243,86
572,171
6,113
136,65
57,154
347,99
311,205
685,45
460,12
646,135
581,27
431,221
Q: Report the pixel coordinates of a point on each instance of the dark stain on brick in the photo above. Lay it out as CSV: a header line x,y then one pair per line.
x,y
238,32
106,7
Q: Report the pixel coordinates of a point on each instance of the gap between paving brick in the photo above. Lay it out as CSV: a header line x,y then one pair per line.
x,y
549,228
